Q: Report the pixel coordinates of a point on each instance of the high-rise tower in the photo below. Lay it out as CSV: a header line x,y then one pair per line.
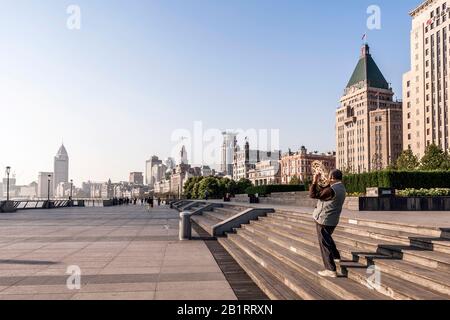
x,y
61,167
369,121
426,85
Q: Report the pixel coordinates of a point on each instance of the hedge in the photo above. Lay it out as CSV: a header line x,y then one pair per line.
x,y
268,189
399,180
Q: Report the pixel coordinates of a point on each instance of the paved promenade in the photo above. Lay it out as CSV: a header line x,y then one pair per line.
x,y
123,253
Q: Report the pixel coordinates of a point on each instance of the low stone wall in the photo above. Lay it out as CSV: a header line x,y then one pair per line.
x,y
300,199
297,199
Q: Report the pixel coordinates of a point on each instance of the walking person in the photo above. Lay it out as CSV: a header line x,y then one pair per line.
x,y
327,214
206,195
159,202
151,201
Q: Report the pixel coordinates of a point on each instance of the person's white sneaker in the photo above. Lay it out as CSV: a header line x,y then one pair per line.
x,y
328,273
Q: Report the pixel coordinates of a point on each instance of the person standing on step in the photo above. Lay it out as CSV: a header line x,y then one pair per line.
x,y
327,214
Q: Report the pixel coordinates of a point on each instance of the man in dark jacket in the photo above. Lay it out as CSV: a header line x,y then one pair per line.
x,y
327,214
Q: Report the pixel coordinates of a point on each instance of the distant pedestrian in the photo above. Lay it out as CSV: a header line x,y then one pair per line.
x,y
159,202
206,195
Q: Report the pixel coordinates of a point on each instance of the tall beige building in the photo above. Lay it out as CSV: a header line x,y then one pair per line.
x,y
369,121
425,87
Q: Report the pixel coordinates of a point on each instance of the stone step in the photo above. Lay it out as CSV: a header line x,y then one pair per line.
x,y
218,216
407,238
293,242
340,287
431,259
390,286
228,213
205,222
273,288
434,279
236,208
310,250
297,282
427,231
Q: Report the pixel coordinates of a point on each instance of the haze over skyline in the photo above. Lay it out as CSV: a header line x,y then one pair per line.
x,y
116,90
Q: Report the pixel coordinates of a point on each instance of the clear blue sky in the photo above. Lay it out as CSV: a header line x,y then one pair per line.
x,y
138,70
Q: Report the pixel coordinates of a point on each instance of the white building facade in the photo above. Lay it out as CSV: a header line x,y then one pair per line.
x,y
44,178
425,86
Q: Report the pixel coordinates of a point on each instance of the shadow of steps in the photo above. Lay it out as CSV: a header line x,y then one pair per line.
x,y
273,288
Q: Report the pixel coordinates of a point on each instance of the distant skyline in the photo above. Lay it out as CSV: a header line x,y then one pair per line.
x,y
116,90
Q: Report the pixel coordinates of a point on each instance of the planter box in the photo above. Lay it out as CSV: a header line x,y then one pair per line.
x,y
404,204
380,192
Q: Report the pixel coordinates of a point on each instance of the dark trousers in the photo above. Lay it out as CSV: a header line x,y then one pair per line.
x,y
327,246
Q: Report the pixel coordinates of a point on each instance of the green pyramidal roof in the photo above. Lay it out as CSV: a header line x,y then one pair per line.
x,y
367,70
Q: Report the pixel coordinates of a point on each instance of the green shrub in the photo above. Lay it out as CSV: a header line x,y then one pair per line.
x,y
217,187
435,192
399,180
268,189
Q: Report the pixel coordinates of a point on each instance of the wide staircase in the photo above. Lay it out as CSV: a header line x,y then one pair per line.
x,y
216,215
380,260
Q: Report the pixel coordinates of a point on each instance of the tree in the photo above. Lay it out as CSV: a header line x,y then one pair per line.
x,y
407,161
211,185
190,187
435,159
295,181
242,185
227,186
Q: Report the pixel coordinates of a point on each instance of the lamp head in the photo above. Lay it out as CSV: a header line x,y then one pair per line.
x,y
8,170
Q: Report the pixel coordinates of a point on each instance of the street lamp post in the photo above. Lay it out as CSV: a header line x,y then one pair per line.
x,y
49,177
71,190
8,171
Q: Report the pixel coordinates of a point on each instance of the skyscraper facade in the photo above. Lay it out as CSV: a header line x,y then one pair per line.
x,y
136,178
149,164
228,149
368,121
44,178
183,156
425,86
60,167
